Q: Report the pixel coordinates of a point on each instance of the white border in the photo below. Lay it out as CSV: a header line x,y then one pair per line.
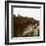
x,y
20,39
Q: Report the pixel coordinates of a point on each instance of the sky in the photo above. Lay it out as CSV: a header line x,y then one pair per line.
x,y
29,12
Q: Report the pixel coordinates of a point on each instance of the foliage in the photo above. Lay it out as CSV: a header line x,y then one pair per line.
x,y
20,23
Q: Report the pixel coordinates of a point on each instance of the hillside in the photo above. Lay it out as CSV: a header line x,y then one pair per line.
x,y
21,23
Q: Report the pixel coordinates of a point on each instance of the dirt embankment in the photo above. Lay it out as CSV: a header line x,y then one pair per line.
x,y
20,23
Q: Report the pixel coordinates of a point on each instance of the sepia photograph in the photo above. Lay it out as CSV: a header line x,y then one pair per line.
x,y
26,22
